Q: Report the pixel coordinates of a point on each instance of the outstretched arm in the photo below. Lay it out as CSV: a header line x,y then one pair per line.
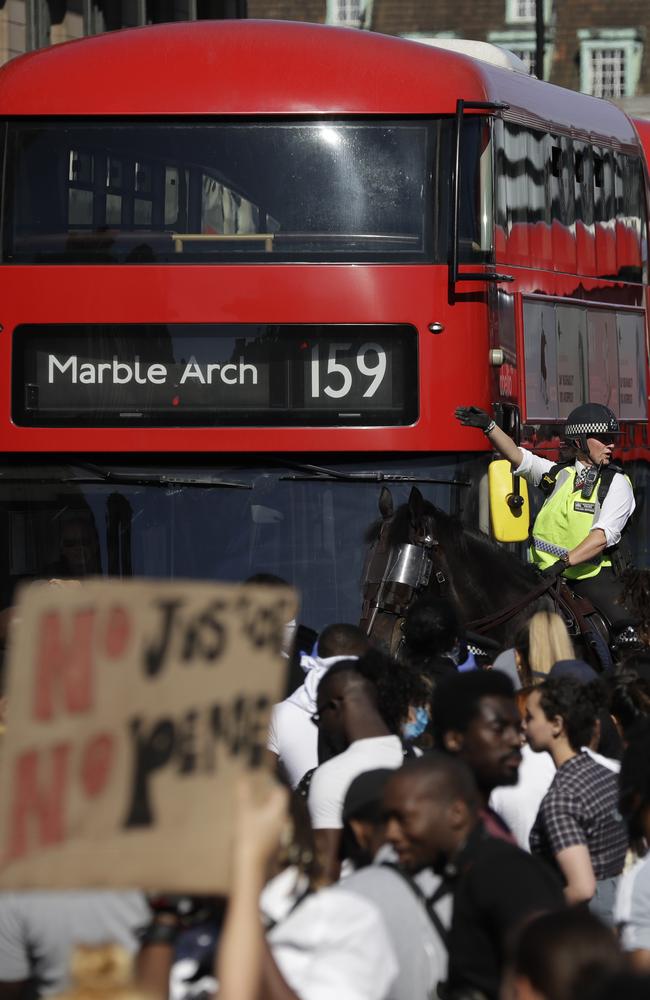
x,y
472,416
245,967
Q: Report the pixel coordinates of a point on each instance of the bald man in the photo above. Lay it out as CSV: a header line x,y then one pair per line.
x,y
358,718
431,807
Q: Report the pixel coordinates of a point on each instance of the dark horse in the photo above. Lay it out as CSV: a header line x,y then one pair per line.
x,y
418,549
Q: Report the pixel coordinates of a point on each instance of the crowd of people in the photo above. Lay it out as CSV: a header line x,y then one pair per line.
x,y
441,823
439,827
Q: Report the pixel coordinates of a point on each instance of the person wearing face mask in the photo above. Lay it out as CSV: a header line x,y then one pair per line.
x,y
589,501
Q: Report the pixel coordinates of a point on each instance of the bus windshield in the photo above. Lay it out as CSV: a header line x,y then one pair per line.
x,y
179,192
223,522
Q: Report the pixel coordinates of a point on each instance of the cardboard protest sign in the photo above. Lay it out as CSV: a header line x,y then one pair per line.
x,y
132,707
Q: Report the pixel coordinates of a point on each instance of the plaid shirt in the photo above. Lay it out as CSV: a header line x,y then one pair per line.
x,y
581,807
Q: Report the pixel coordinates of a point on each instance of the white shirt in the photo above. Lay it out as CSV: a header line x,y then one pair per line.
x,y
335,947
617,507
292,735
294,738
332,779
632,907
369,939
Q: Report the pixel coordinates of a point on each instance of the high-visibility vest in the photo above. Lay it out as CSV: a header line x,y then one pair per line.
x,y
564,521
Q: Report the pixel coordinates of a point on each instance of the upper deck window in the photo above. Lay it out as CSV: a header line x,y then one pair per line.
x,y
147,192
144,192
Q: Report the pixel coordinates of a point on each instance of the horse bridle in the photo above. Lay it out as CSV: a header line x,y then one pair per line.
x,y
398,573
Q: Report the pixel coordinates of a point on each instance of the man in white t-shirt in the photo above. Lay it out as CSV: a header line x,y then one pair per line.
x,y
361,732
293,738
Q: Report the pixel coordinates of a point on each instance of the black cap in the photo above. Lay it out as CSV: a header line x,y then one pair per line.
x,y
578,669
365,792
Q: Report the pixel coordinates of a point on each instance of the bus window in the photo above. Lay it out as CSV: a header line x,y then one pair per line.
x,y
628,181
476,219
561,173
584,202
336,190
516,193
604,211
540,244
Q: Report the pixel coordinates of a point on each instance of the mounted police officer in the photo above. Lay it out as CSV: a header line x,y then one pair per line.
x,y
589,500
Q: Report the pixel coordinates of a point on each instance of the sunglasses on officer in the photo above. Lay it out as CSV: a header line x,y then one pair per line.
x,y
606,438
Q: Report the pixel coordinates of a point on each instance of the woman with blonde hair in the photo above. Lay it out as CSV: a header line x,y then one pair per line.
x,y
540,643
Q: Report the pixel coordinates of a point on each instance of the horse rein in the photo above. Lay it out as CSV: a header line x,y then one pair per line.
x,y
410,566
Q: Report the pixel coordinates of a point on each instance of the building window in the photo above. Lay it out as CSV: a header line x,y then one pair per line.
x,y
523,11
527,57
608,70
348,13
523,43
610,62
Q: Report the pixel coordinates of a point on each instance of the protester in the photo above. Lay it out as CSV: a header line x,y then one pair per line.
x,y
562,956
605,746
369,938
475,717
540,643
38,931
632,911
242,949
364,832
578,827
432,814
518,805
361,708
293,739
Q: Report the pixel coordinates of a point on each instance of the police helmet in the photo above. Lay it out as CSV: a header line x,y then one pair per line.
x,y
590,420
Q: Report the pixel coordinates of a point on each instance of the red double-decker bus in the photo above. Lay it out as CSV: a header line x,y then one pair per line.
x,y
248,271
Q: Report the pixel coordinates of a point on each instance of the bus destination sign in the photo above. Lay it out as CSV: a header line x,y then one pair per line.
x,y
215,375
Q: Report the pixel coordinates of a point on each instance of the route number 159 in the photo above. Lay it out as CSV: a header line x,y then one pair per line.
x,y
369,361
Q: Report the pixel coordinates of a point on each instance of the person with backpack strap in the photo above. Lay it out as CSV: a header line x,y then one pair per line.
x,y
589,502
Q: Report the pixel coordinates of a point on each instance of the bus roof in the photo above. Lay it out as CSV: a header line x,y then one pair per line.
x,y
242,67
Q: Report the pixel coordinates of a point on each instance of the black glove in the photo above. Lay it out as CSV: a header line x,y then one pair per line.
x,y
557,569
471,416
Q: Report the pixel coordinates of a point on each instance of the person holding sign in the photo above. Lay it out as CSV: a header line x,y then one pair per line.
x,y
589,501
370,938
